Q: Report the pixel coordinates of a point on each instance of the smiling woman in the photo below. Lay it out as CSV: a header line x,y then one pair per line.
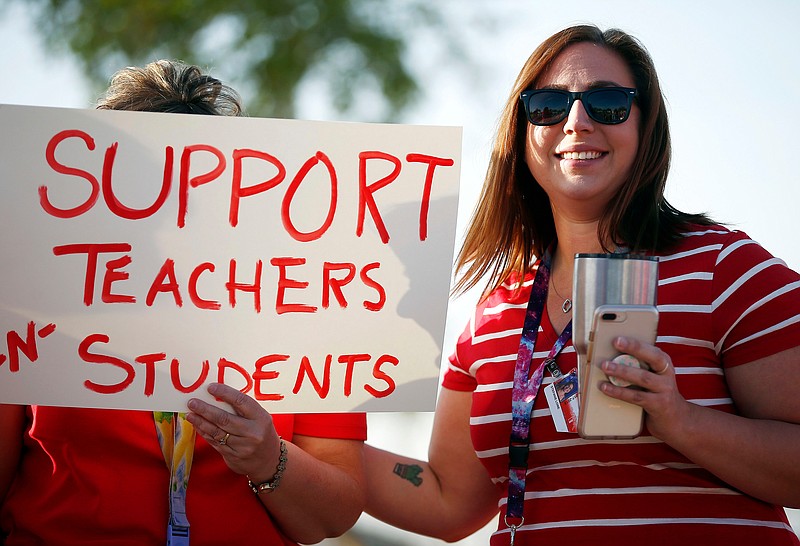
x,y
700,48
584,161
580,166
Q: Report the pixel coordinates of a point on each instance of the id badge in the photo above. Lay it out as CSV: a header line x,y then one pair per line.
x,y
562,398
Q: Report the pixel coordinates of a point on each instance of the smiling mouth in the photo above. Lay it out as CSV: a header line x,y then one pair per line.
x,y
580,155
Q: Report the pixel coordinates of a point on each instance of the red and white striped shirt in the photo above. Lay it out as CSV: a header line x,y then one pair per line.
x,y
723,301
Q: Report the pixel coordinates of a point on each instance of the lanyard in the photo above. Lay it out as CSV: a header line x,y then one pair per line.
x,y
526,389
176,437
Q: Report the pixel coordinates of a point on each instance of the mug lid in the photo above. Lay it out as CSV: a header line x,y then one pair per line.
x,y
618,256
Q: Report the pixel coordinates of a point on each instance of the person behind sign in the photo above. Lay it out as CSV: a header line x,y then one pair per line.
x,y
579,166
79,476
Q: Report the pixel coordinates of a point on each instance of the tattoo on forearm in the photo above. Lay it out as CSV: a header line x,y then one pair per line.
x,y
410,472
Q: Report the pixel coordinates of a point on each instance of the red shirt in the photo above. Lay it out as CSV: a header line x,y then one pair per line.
x,y
723,301
91,476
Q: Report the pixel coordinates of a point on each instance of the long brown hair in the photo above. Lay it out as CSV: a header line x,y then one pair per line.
x,y
513,223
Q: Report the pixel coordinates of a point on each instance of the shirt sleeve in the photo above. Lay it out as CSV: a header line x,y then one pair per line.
x,y
457,376
342,426
756,306
486,333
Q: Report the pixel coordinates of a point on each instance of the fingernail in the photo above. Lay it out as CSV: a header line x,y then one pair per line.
x,y
609,366
621,343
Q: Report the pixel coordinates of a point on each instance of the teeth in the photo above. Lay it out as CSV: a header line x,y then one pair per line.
x,y
580,155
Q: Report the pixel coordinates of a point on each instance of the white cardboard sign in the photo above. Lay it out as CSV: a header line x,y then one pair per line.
x,y
146,255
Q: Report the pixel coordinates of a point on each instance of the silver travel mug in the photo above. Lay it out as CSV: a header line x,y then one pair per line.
x,y
600,279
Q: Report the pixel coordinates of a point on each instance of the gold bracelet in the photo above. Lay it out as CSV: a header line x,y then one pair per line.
x,y
271,484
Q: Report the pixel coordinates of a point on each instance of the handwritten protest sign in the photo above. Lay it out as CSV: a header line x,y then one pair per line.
x,y
146,255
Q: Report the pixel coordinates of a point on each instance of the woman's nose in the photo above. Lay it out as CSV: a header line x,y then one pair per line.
x,y
577,119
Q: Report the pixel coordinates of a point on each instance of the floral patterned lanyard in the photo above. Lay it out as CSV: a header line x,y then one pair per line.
x,y
525,391
176,436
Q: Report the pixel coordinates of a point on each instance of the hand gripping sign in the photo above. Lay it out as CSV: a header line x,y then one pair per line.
x,y
145,255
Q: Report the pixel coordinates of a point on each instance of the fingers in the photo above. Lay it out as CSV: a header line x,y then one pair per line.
x,y
250,423
246,439
215,425
644,377
242,404
653,385
657,360
648,390
656,373
654,388
213,414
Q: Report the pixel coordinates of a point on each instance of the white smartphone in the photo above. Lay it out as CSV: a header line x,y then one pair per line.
x,y
600,416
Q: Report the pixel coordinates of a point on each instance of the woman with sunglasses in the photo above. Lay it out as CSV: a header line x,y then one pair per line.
x,y
579,166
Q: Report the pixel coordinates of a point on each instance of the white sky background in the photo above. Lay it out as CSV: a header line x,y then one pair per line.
x,y
730,71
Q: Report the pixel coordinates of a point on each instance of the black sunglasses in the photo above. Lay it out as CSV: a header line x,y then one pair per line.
x,y
607,105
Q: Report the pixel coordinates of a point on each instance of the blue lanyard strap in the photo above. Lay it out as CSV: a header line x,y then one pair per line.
x,y
526,389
